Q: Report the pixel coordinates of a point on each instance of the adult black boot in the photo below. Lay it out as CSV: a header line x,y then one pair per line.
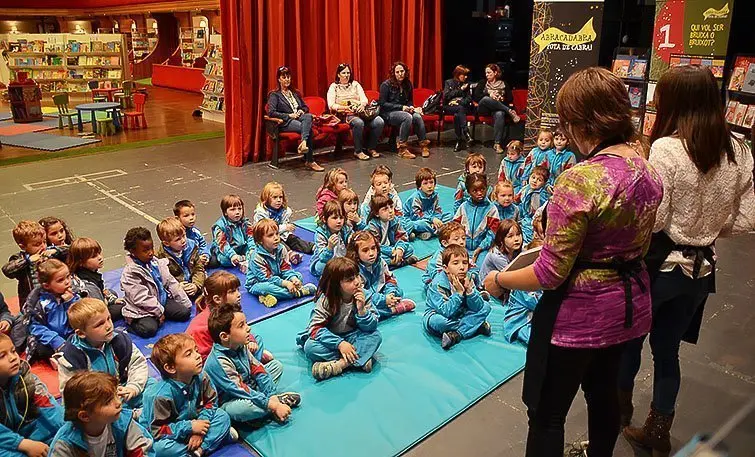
x,y
468,139
459,146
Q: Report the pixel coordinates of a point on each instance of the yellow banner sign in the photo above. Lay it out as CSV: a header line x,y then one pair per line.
x,y
712,13
555,35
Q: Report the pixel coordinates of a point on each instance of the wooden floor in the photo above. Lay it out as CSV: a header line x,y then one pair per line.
x,y
168,113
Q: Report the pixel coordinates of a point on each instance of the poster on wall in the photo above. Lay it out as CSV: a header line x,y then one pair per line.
x,y
566,37
689,27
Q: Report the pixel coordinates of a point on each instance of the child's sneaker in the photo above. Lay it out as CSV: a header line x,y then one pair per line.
x,y
425,236
294,257
233,434
307,289
449,339
404,306
325,370
268,300
411,260
412,236
367,367
484,329
485,295
291,399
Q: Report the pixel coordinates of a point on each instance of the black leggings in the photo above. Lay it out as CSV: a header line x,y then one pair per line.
x,y
597,371
146,327
297,244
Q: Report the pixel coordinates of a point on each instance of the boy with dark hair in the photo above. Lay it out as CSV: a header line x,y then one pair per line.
x,y
423,207
186,212
183,256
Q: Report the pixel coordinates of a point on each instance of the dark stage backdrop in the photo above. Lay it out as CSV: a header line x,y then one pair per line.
x,y
312,37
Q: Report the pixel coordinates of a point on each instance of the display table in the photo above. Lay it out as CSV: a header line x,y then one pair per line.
x,y
99,106
182,78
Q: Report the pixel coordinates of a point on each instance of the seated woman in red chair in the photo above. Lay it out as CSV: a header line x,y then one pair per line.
x,y
457,100
347,99
396,109
286,104
493,98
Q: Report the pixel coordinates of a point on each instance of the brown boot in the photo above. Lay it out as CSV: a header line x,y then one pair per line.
x,y
655,434
626,407
403,150
425,145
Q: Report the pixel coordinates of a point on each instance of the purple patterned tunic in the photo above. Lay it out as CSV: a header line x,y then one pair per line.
x,y
600,209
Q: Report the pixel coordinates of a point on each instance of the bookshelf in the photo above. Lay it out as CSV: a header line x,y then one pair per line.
x,y
740,106
213,91
632,65
187,46
25,100
142,43
66,62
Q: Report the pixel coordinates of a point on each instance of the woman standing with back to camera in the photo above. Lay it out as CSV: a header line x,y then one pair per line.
x,y
708,192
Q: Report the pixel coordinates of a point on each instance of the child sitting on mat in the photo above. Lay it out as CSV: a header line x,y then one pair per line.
x,y
342,330
506,246
423,207
274,205
532,197
511,165
96,424
96,345
539,155
186,212
152,294
183,256
56,231
232,234
32,416
45,310
474,163
331,236
221,288
561,158
518,309
270,276
181,411
455,309
379,282
450,234
349,201
503,198
381,183
248,391
478,216
334,181
388,230
84,262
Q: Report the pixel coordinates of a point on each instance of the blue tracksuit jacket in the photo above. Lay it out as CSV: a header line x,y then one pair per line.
x,y
131,439
229,239
267,270
379,281
511,171
390,235
435,266
518,314
422,209
558,162
196,236
449,310
535,158
322,253
239,376
508,212
530,201
480,221
49,319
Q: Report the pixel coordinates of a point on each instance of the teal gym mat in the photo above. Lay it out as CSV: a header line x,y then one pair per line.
x,y
414,389
422,249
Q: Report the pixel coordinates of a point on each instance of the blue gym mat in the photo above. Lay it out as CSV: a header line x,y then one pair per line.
x,y
422,249
415,387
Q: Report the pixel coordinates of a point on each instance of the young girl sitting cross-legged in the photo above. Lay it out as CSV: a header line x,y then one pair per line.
x,y
331,236
394,243
270,276
342,330
232,234
379,282
274,205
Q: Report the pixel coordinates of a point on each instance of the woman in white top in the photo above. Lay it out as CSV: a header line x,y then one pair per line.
x,y
707,193
346,98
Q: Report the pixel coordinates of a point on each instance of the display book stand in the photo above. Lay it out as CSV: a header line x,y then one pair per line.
x,y
631,65
193,44
213,103
25,100
740,107
66,62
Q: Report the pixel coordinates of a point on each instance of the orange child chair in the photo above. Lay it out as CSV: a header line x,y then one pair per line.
x,y
135,118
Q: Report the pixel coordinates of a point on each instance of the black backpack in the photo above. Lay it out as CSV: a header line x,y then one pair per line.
x,y
432,104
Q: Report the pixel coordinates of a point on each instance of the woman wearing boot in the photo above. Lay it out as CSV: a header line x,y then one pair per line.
x,y
707,193
493,98
397,110
457,100
599,222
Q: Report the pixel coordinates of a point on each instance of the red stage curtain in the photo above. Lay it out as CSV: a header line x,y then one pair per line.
x,y
312,37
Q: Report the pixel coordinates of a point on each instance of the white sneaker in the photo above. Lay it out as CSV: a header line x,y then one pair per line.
x,y
234,434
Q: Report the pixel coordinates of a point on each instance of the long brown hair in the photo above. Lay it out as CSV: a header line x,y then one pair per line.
x,y
336,270
405,83
81,250
362,236
688,105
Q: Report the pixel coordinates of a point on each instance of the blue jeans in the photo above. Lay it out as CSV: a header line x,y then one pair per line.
x,y
405,121
374,130
498,110
676,298
460,118
302,126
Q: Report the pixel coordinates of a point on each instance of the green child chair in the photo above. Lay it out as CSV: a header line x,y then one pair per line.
x,y
124,95
61,102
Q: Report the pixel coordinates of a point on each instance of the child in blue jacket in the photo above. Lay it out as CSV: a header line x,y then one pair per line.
x,y
349,201
97,346
532,197
512,165
379,282
455,309
248,392
474,164
342,331
518,309
394,242
539,155
450,234
503,198
181,411
381,180
93,412
186,212
561,158
478,216
232,234
423,207
270,276
32,416
331,236
45,310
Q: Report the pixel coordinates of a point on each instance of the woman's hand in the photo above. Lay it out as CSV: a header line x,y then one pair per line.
x,y
515,117
408,109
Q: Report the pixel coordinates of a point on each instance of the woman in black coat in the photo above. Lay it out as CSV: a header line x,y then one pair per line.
x,y
493,97
286,104
457,100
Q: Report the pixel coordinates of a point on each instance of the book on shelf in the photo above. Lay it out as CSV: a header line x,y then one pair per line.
x,y
739,114
621,66
749,118
637,69
737,79
635,96
647,126
731,108
748,85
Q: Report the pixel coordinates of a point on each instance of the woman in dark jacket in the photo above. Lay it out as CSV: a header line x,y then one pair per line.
x,y
493,98
457,100
396,109
286,104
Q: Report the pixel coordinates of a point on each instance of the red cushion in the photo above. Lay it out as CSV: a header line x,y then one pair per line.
x,y
450,118
289,136
335,129
431,117
48,375
485,119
